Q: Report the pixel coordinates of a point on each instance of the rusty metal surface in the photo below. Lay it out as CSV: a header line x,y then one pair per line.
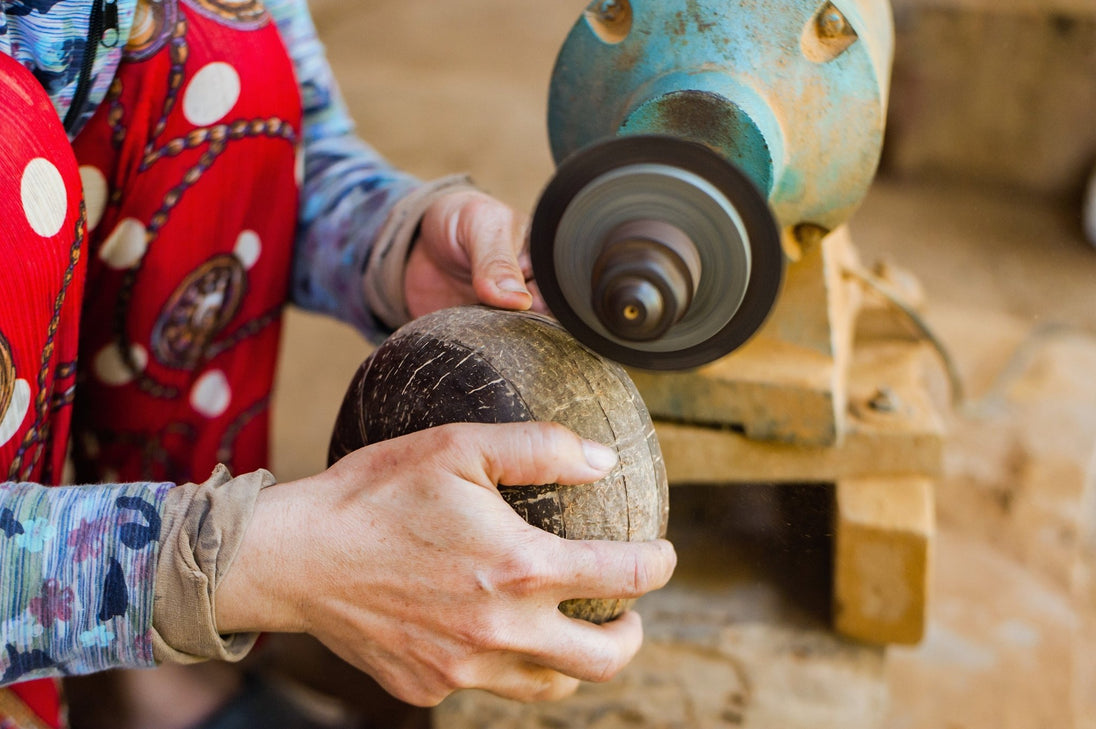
x,y
792,91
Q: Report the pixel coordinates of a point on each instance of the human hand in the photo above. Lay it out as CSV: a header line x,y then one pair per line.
x,y
471,249
404,559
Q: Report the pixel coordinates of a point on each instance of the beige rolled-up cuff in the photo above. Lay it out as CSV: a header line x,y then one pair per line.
x,y
384,274
203,527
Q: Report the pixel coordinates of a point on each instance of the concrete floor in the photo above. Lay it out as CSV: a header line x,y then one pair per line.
x,y
461,85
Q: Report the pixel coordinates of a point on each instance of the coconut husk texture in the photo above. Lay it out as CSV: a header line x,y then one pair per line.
x,y
480,365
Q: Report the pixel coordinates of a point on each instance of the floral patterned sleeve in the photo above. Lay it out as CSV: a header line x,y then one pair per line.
x,y
77,567
349,189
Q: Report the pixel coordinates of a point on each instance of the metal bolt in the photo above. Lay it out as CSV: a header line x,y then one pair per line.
x,y
808,235
831,23
611,20
610,10
885,400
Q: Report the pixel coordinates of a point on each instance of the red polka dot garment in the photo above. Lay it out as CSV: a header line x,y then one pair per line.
x,y
41,242
190,167
191,174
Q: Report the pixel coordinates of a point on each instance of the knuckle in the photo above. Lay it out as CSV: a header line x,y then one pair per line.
x,y
557,430
641,575
605,667
480,213
550,686
428,698
499,261
561,688
486,635
477,204
529,446
552,438
456,675
524,575
417,690
448,436
529,442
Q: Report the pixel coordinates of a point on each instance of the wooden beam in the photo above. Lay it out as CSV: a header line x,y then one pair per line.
x,y
883,535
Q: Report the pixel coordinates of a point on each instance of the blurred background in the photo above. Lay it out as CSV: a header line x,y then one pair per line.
x,y
990,143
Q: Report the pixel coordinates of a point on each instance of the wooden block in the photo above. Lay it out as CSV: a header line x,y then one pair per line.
x,y
771,390
696,455
909,439
882,543
789,382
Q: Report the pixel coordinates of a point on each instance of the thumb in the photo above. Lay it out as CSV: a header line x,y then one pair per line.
x,y
492,235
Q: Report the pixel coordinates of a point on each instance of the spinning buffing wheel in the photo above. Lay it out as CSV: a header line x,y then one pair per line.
x,y
656,252
473,364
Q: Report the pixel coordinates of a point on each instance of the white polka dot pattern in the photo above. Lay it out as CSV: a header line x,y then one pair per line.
x,y
248,248
17,411
95,194
211,395
126,244
211,94
111,370
45,200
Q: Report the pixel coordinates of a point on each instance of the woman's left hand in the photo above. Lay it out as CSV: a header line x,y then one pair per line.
x,y
471,249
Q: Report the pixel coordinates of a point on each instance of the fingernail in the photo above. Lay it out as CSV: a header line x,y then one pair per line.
x,y
512,285
599,456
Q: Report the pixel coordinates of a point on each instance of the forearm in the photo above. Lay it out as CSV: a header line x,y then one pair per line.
x,y
262,592
347,189
77,564
127,576
358,213
348,194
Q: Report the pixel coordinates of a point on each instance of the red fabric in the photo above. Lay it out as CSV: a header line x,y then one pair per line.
x,y
190,177
189,263
43,698
41,237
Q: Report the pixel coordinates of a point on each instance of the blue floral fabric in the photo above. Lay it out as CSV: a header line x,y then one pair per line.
x,y
77,566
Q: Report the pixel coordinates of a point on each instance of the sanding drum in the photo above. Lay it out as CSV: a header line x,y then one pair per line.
x,y
474,364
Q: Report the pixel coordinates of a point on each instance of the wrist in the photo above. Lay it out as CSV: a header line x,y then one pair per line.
x,y
384,276
262,590
203,531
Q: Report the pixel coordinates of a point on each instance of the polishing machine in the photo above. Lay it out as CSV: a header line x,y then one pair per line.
x,y
699,145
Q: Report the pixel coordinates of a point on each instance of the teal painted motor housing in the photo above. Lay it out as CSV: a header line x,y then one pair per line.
x,y
700,144
793,92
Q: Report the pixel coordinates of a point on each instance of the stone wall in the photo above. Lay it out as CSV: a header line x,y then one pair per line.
x,y
998,92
